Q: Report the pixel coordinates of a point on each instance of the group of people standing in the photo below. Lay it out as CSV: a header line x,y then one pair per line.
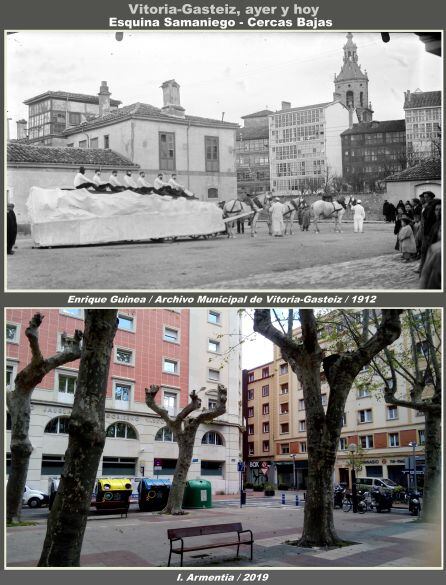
x,y
418,232
140,185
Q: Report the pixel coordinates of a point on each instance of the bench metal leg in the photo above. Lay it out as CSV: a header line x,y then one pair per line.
x,y
251,551
170,554
181,559
238,549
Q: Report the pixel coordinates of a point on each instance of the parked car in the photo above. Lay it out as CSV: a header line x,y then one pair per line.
x,y
367,483
34,498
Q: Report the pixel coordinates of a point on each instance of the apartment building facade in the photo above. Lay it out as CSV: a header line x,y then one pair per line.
x,y
253,153
179,350
381,432
423,125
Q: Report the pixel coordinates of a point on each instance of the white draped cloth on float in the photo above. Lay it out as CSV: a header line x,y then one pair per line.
x,y
79,217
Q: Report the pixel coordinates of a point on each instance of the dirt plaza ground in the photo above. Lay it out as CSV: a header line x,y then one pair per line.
x,y
304,260
140,540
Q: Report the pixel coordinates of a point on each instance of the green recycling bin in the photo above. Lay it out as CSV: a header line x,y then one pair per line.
x,y
197,494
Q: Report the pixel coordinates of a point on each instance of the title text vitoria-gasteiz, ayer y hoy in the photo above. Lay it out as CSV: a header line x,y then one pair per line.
x,y
291,16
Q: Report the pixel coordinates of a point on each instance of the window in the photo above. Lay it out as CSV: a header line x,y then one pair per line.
x,y
124,356
214,375
284,388
8,422
214,468
118,466
12,333
213,346
121,430
67,383
392,412
284,428
394,440
167,151
77,313
212,193
170,402
74,118
265,372
250,411
250,394
302,426
167,466
250,429
365,416
265,427
283,369
265,390
126,322
214,317
301,404
366,441
343,444
170,366
303,446
363,393
122,392
265,446
251,377
324,399
284,448
265,408
421,437
10,375
70,145
212,155
58,425
212,404
82,144
106,141
250,448
212,438
94,143
52,464
165,435
284,408
344,419
171,335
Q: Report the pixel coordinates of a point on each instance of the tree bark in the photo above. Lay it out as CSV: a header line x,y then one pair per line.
x,y
305,357
68,517
19,407
432,474
184,428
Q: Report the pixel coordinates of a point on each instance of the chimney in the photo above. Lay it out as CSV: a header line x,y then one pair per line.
x,y
21,129
104,99
286,106
171,99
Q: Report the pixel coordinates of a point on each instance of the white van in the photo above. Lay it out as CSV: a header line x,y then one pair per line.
x,y
34,498
367,483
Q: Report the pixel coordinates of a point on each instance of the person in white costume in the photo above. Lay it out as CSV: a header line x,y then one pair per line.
x,y
277,224
358,217
115,184
143,185
129,182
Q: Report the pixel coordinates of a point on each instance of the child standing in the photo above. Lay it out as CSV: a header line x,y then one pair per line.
x,y
406,240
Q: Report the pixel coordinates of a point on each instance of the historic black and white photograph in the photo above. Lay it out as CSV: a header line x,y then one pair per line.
x,y
223,160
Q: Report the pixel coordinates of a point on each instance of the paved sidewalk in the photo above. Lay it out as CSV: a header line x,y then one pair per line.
x,y
383,540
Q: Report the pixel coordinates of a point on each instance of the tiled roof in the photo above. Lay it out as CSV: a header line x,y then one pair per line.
x,y
373,127
422,99
26,153
426,170
66,95
253,133
140,110
262,113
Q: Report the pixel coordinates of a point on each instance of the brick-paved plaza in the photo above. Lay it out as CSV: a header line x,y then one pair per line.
x,y
301,261
140,540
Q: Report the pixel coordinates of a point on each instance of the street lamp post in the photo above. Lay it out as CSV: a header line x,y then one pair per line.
x,y
293,455
352,448
413,444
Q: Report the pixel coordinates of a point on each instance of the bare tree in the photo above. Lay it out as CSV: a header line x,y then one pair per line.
x,y
306,358
86,429
19,407
417,366
184,428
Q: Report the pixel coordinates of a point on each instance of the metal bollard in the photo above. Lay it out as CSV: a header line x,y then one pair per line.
x,y
297,499
283,498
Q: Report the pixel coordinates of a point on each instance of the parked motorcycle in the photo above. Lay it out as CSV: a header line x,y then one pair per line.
x,y
381,500
338,496
414,502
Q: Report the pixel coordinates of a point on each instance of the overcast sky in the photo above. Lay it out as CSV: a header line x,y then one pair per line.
x,y
233,72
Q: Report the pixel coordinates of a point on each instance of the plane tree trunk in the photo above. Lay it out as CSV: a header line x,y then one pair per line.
x,y
19,407
68,518
184,428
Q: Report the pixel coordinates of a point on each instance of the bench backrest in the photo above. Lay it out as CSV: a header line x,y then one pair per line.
x,y
203,530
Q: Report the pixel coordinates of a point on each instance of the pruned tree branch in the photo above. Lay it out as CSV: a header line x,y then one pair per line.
x,y
209,414
150,401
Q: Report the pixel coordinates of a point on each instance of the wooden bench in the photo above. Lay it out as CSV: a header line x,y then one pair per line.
x,y
178,534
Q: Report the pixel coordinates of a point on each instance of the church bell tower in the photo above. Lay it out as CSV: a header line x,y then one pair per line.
x,y
352,85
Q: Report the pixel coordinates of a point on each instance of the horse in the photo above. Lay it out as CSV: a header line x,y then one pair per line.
x,y
290,209
326,210
235,207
